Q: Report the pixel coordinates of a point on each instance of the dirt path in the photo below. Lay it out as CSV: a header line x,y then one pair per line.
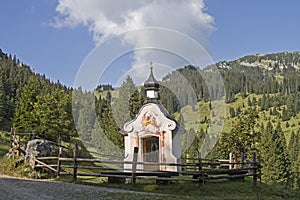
x,y
17,188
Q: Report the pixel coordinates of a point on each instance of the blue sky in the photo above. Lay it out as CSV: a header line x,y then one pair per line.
x,y
239,28
254,26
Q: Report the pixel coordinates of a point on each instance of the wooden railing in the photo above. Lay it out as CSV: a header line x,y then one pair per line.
x,y
198,170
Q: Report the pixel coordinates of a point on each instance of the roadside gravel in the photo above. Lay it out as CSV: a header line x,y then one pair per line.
x,y
19,188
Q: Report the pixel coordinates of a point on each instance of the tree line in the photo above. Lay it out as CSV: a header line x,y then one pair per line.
x,y
32,103
280,159
269,74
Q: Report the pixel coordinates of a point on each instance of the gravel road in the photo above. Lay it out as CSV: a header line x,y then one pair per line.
x,y
17,188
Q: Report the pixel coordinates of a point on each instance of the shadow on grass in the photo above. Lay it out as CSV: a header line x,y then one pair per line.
x,y
222,189
3,150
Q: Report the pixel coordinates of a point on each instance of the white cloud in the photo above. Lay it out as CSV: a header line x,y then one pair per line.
x,y
107,18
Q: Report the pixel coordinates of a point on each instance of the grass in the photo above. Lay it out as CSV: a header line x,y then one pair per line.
x,y
223,189
4,143
8,165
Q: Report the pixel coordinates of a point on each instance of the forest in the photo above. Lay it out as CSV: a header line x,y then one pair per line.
x,y
261,93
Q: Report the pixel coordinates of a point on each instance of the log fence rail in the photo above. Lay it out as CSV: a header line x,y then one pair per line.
x,y
199,170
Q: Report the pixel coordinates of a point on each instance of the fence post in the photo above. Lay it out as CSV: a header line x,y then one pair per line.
x,y
254,165
14,142
200,172
58,156
135,155
75,162
243,159
230,161
184,162
18,146
32,135
259,169
11,138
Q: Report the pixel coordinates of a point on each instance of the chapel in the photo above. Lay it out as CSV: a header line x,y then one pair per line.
x,y
154,132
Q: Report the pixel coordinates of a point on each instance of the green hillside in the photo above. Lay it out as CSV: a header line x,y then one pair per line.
x,y
196,118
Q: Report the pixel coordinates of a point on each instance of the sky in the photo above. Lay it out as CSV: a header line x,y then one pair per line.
x,y
103,41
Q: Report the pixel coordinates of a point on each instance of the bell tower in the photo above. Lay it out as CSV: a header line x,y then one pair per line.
x,y
151,86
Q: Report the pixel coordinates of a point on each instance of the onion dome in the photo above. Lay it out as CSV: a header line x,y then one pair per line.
x,y
151,86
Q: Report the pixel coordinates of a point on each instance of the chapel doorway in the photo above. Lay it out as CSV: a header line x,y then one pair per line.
x,y
151,152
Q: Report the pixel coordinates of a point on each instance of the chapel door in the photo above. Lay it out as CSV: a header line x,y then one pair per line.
x,y
151,152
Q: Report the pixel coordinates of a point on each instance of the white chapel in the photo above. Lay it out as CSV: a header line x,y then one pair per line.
x,y
154,132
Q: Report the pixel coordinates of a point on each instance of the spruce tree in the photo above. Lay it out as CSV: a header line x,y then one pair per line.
x,y
243,136
193,149
241,139
109,126
294,151
274,155
135,103
232,112
121,107
2,102
85,114
24,118
52,113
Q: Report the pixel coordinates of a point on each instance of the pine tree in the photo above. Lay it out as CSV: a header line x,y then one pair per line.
x,y
52,113
274,155
121,107
297,164
241,139
135,103
2,102
231,112
249,102
243,136
85,114
285,115
294,152
193,149
24,119
109,126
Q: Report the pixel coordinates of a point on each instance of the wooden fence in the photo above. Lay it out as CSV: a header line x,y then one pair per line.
x,y
199,170
17,145
15,142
